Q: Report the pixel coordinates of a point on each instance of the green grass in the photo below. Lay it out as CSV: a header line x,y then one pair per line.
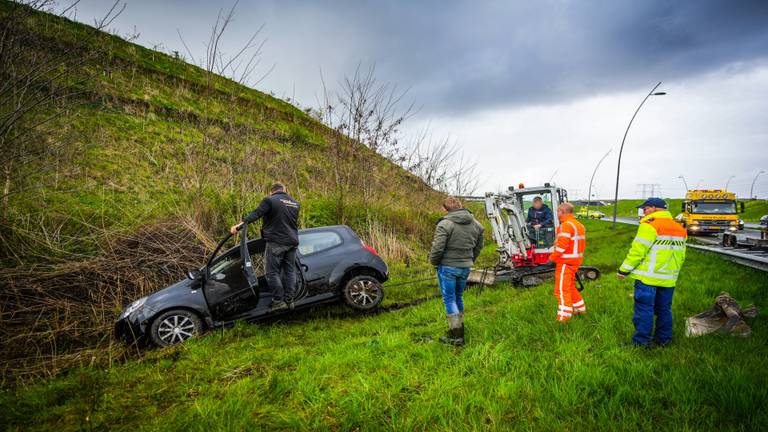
x,y
754,210
331,369
146,140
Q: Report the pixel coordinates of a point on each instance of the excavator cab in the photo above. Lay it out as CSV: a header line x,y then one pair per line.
x,y
540,232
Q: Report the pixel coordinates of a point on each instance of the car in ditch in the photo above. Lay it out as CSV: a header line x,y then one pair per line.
x,y
333,265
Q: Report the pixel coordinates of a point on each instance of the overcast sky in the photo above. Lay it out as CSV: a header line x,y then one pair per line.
x,y
527,89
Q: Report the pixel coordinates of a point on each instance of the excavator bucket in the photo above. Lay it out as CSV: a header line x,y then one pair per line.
x,y
482,276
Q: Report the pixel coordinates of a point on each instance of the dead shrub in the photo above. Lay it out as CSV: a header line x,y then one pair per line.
x,y
56,315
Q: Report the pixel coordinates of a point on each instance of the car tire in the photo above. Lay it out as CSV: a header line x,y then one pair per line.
x,y
174,326
363,293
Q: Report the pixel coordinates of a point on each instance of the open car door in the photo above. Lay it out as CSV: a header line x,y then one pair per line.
x,y
231,287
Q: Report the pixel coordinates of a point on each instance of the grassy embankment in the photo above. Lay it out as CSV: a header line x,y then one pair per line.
x,y
332,369
143,172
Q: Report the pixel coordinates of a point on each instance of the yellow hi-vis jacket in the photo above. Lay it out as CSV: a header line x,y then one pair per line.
x,y
658,251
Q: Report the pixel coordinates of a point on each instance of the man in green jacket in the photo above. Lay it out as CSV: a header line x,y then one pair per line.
x,y
654,261
456,245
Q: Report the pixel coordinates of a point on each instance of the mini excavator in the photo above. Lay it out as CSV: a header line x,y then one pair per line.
x,y
523,250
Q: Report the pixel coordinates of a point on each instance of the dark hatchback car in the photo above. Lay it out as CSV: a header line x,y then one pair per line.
x,y
333,264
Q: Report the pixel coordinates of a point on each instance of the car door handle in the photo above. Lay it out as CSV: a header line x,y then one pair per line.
x,y
304,267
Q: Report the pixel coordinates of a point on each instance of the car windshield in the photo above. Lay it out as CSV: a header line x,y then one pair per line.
x,y
709,207
527,200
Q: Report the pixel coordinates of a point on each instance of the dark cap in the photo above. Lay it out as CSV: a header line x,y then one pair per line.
x,y
653,202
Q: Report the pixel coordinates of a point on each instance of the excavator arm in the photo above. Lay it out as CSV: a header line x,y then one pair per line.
x,y
508,225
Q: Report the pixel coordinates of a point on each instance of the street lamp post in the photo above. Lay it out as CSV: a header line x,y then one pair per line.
x,y
589,191
752,188
621,149
729,181
684,182
552,176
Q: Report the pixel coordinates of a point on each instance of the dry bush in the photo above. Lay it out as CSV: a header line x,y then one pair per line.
x,y
53,314
386,242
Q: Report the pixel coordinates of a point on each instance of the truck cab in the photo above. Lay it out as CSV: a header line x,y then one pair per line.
x,y
711,211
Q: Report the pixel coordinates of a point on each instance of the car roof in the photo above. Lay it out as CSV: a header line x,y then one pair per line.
x,y
337,228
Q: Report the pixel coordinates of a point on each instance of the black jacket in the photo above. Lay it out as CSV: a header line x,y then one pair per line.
x,y
542,216
281,219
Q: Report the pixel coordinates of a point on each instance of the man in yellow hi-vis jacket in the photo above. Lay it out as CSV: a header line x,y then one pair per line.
x,y
654,261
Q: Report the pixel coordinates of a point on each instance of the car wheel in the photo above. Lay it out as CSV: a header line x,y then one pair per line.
x,y
174,326
363,293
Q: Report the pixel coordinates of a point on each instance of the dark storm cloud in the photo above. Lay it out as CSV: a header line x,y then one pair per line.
x,y
461,56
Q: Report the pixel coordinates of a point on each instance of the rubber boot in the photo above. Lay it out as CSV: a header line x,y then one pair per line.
x,y
460,331
454,337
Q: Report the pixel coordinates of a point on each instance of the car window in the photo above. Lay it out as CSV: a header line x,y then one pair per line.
x,y
227,265
310,243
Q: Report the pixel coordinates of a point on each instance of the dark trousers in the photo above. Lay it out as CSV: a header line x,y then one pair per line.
x,y
649,301
280,263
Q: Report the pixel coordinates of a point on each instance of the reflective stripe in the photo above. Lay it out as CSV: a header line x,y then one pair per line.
x,y
564,314
656,275
667,247
562,276
575,239
643,241
573,255
578,237
581,309
565,308
559,249
578,303
625,267
564,234
668,237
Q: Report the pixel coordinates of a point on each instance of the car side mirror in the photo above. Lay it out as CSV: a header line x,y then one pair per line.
x,y
682,207
194,274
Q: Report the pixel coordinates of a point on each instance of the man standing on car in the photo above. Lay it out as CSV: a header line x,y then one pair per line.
x,y
457,244
280,230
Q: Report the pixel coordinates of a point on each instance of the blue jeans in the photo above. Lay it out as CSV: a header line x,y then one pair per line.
x,y
649,301
452,282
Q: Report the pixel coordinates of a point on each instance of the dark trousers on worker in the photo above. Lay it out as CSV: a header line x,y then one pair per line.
x,y
280,269
652,301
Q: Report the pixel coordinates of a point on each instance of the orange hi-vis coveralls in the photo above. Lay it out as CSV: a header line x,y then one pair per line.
x,y
568,255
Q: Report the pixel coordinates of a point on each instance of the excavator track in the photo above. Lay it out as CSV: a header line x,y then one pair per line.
x,y
527,276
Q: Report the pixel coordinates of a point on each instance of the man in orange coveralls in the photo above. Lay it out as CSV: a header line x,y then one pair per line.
x,y
568,255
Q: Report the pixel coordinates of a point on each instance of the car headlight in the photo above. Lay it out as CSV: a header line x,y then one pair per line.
x,y
133,307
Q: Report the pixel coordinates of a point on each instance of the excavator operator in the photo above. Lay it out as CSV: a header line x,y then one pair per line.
x,y
539,215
